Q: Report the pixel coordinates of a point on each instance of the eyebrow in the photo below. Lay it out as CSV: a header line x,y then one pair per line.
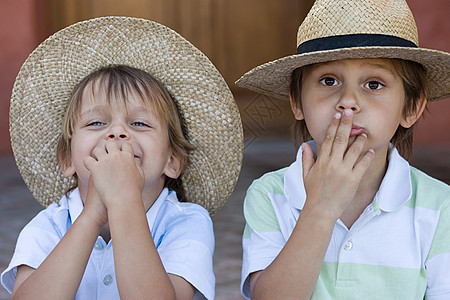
x,y
134,110
382,66
377,65
95,109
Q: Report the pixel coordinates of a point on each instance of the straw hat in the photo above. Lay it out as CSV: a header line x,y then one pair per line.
x,y
343,29
48,76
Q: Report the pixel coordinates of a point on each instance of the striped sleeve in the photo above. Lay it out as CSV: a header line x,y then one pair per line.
x,y
262,239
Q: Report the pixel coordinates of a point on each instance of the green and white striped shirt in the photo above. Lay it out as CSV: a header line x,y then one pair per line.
x,y
399,248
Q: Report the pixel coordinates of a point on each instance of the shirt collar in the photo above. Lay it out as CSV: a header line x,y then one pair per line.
x,y
76,206
294,189
153,211
394,191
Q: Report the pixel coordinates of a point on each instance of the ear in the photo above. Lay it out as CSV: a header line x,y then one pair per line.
x,y
296,109
173,166
409,120
67,169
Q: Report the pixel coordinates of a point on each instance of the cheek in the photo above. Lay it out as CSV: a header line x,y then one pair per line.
x,y
318,120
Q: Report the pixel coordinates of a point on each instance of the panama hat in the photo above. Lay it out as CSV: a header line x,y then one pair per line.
x,y
48,76
343,29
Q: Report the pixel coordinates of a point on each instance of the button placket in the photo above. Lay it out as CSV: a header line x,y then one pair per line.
x,y
98,245
107,280
348,245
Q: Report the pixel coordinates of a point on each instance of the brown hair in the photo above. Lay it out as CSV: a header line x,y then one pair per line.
x,y
414,80
119,80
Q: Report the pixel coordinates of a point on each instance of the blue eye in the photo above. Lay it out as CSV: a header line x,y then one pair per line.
x,y
95,123
139,124
328,81
374,85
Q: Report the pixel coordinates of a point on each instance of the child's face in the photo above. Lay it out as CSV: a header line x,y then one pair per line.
x,y
371,88
135,123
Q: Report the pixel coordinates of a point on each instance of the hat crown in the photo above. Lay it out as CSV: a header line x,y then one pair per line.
x,y
343,17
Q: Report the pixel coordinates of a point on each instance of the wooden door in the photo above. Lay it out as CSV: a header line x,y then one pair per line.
x,y
236,35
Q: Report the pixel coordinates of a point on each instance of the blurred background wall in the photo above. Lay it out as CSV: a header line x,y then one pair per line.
x,y
236,35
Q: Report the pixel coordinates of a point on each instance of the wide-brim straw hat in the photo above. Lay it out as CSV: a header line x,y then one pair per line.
x,y
47,78
343,29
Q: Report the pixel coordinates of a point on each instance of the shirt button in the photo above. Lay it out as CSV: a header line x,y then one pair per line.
x,y
107,280
348,246
98,246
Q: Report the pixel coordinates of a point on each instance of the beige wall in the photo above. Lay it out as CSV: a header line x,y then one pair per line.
x,y
235,34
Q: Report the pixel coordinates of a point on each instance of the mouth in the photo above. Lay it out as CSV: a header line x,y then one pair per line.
x,y
137,160
356,130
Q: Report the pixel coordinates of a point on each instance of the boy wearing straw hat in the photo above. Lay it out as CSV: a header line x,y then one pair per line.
x,y
125,106
350,218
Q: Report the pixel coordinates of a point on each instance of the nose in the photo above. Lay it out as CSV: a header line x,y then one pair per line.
x,y
348,100
117,132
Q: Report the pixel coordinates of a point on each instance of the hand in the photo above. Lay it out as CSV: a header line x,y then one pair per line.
x,y
114,172
94,206
333,179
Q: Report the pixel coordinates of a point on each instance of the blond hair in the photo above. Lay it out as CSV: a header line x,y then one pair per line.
x,y
414,81
119,80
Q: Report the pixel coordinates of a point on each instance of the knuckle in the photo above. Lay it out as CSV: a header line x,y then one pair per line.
x,y
340,138
328,137
366,161
355,149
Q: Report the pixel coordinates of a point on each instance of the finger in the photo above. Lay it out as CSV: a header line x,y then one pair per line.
x,y
91,186
98,153
89,163
362,166
327,144
343,133
307,158
354,152
127,147
111,146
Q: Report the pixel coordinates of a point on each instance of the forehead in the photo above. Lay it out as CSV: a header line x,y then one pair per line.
x,y
98,93
366,63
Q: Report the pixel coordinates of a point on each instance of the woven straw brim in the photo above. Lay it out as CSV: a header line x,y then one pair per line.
x,y
273,78
48,76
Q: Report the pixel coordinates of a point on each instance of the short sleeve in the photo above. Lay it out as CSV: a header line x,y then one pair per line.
x,y
262,239
187,246
438,262
35,242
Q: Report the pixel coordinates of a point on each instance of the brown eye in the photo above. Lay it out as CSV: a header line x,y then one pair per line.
x,y
329,81
374,85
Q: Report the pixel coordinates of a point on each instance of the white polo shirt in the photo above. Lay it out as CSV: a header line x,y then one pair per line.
x,y
399,248
182,232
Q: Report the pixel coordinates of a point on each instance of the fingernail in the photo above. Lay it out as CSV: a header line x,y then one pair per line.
x,y
348,112
337,116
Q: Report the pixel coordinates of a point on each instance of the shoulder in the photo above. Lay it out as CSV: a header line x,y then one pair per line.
x,y
39,237
259,211
53,218
184,220
272,182
429,192
174,209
